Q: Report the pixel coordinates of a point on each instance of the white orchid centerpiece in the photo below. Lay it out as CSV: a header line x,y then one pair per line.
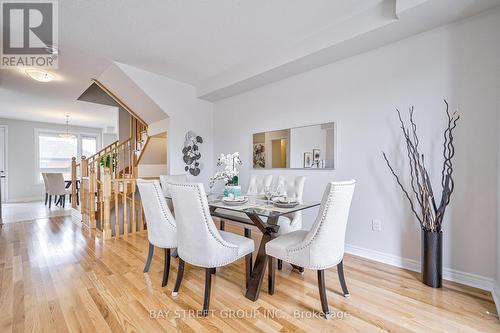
x,y
229,174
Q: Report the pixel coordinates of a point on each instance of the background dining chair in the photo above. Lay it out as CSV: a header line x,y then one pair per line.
x,y
165,181
199,242
256,186
291,186
162,229
258,183
46,184
323,246
57,187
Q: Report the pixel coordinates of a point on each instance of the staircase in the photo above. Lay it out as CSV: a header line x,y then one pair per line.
x,y
108,200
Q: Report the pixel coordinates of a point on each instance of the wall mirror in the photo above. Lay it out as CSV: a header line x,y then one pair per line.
x,y
307,147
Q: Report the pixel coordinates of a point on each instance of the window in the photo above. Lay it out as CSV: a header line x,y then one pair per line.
x,y
55,152
89,146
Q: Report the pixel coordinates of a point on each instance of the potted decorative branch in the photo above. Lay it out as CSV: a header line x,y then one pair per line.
x,y
423,203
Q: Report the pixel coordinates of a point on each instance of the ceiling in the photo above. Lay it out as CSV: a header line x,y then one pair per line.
x,y
26,99
190,40
221,47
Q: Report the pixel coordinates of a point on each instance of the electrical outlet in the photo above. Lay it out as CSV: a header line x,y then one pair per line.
x,y
376,225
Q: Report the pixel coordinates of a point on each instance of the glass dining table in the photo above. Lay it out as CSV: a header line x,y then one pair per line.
x,y
262,214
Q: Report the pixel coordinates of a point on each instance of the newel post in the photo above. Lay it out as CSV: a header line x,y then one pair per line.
x,y
85,168
106,193
73,182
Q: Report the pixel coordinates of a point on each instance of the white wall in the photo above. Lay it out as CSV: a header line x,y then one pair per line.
x,y
456,62
21,157
108,138
124,131
497,284
185,112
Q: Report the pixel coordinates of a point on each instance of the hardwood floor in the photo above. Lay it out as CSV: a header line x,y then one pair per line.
x,y
26,211
56,277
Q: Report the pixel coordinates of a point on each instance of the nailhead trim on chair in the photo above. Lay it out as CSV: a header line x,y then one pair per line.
x,y
323,217
155,186
328,202
223,243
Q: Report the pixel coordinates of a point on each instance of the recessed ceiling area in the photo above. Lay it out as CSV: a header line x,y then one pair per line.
x,y
191,40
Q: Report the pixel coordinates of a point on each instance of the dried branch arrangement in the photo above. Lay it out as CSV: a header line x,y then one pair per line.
x,y
428,212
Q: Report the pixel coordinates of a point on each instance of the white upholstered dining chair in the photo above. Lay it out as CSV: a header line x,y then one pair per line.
x,y
199,242
165,181
56,187
291,186
323,246
258,183
161,225
46,185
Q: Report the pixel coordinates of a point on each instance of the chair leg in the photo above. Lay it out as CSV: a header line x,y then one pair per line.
x,y
55,199
150,257
208,286
166,268
70,198
180,273
280,264
222,225
63,198
50,201
340,270
46,198
322,292
248,269
271,275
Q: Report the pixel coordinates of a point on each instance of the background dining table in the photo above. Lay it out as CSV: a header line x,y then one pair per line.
x,y
68,185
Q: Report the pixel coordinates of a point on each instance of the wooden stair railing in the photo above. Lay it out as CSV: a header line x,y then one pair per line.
x,y
120,212
119,160
108,180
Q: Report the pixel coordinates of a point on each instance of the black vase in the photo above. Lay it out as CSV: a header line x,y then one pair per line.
x,y
432,258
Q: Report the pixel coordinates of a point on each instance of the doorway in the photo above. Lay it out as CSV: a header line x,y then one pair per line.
x,y
279,148
3,162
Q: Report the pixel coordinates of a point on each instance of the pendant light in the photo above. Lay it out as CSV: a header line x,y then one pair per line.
x,y
67,135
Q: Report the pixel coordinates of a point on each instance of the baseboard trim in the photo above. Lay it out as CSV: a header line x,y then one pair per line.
x,y
495,292
27,199
449,274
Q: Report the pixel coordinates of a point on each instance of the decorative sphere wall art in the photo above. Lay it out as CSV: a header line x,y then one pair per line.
x,y
191,152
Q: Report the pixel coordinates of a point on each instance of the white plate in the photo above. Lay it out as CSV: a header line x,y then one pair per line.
x,y
286,204
235,201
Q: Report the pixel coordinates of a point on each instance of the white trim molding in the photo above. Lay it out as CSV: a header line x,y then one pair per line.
x,y
25,199
449,274
6,162
495,292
